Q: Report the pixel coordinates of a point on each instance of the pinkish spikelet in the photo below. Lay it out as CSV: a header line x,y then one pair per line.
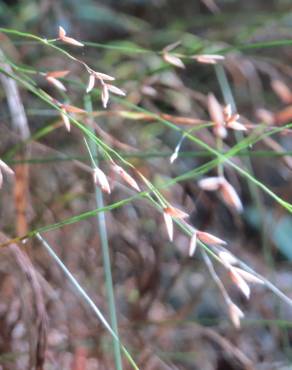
x,y
209,238
57,74
230,196
175,212
216,114
126,177
72,109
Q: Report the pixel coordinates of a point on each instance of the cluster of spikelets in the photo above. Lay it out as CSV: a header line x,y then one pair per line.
x,y
106,88
221,118
101,79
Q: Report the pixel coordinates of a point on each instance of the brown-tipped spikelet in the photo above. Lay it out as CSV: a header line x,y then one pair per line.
x,y
52,77
67,108
126,177
175,212
209,238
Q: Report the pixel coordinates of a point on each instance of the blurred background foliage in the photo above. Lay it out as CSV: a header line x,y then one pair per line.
x,y
170,313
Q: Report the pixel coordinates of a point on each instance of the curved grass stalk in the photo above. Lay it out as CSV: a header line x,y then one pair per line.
x,y
86,298
140,50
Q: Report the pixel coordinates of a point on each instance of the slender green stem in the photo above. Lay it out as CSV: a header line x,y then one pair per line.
x,y
101,221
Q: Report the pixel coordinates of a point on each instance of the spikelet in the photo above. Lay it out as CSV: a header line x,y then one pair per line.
x,y
103,76
231,120
230,195
208,58
101,180
126,177
91,83
235,314
282,90
72,109
67,108
66,120
193,244
175,212
209,238
210,183
227,258
58,84
248,277
239,282
174,60
169,225
66,39
104,95
216,114
5,168
57,74
115,90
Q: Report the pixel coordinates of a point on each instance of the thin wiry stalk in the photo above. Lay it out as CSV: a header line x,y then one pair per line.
x,y
86,298
105,249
